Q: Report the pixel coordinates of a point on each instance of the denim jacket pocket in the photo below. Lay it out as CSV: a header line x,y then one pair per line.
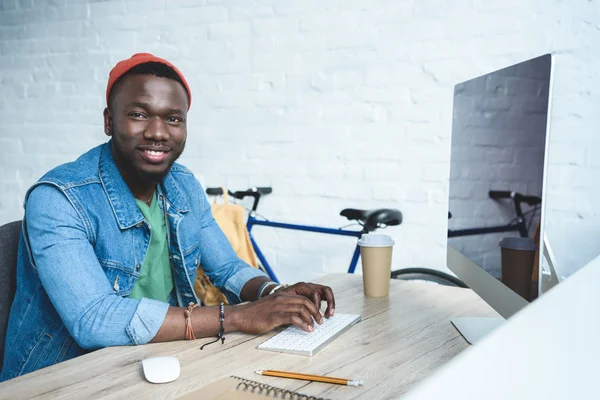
x,y
120,277
38,354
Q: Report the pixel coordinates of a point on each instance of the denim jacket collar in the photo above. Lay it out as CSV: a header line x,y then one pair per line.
x,y
173,193
124,207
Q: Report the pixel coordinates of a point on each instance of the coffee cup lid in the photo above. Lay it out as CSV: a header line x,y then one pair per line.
x,y
517,243
375,240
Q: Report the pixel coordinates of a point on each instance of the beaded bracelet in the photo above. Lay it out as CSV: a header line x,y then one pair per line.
x,y
221,334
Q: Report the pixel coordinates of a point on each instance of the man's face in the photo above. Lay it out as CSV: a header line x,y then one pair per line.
x,y
147,121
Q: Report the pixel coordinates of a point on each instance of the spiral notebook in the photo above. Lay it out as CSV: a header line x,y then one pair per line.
x,y
236,388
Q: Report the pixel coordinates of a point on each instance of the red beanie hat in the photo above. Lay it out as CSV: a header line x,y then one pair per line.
x,y
140,58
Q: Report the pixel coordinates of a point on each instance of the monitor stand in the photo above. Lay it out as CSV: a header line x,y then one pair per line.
x,y
476,328
502,299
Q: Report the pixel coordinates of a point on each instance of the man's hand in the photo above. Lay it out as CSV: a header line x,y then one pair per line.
x,y
315,293
298,305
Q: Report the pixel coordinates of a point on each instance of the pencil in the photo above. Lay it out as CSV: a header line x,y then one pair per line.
x,y
308,377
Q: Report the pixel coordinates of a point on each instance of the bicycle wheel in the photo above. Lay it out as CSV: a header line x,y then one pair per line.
x,y
427,275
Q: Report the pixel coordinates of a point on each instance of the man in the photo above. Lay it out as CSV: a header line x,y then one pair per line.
x,y
111,242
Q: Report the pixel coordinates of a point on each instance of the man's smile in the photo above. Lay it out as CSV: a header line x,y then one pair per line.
x,y
154,156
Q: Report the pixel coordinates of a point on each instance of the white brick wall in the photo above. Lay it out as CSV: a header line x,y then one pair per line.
x,y
499,138
321,99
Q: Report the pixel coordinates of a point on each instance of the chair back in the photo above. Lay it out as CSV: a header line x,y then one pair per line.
x,y
9,245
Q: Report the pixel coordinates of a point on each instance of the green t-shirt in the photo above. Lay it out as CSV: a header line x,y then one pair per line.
x,y
156,279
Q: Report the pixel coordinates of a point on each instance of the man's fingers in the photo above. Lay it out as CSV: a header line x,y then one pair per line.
x,y
297,321
303,313
317,293
328,294
301,305
316,298
290,303
311,309
300,310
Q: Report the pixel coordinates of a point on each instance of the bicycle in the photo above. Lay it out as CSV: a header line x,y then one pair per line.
x,y
519,223
369,220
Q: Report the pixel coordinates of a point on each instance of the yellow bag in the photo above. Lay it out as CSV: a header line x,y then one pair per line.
x,y
230,218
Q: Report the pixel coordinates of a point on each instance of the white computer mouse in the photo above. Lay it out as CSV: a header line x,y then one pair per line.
x,y
161,369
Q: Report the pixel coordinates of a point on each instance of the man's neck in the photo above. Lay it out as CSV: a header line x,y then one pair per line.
x,y
144,194
141,190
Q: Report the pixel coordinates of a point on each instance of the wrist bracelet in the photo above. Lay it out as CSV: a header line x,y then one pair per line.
x,y
262,288
221,334
276,288
189,330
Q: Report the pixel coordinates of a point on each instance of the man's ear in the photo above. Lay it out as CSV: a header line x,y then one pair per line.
x,y
107,122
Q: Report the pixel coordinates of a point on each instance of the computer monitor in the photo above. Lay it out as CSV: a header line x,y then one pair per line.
x,y
498,164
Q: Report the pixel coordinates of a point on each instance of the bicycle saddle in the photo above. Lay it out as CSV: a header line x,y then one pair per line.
x,y
371,219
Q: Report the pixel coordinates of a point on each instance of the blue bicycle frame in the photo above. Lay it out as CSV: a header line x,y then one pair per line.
x,y
252,221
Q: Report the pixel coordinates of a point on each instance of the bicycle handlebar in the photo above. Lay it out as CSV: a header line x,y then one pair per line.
x,y
518,197
240,194
254,192
215,191
500,194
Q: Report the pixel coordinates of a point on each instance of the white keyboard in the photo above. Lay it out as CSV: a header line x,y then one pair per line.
x,y
294,340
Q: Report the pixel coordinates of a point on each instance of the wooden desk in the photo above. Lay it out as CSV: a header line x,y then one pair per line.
x,y
400,340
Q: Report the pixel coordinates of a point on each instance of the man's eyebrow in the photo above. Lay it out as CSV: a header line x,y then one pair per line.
x,y
139,104
147,106
175,111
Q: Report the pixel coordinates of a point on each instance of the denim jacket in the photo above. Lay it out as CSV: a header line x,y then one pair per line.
x,y
81,249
